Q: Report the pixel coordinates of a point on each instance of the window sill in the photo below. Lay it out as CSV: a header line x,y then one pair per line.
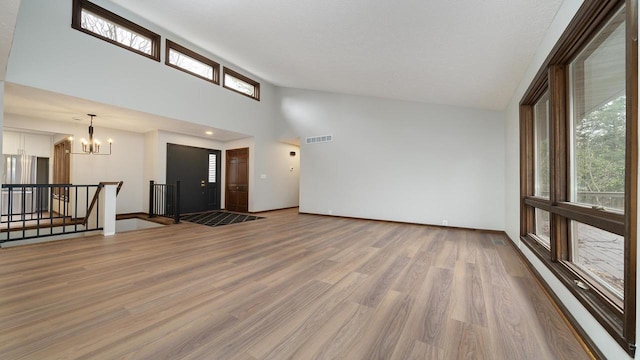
x,y
601,309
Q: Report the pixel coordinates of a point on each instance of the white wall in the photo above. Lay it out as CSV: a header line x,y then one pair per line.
x,y
596,332
150,166
125,163
80,65
139,158
275,180
1,112
102,72
282,183
390,160
278,189
398,160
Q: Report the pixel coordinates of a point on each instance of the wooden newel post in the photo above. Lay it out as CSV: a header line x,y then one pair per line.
x,y
108,211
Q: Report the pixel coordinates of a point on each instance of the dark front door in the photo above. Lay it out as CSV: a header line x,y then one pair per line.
x,y
198,171
237,188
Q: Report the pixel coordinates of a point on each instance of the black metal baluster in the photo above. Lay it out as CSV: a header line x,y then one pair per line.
x,y
176,203
97,211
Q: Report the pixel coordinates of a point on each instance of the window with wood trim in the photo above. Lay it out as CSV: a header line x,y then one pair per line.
x,y
191,62
578,124
241,84
103,24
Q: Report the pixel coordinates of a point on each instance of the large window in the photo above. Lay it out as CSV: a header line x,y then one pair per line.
x,y
191,62
579,164
241,84
597,113
101,23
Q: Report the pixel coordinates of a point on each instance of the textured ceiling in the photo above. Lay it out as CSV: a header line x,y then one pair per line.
x,y
469,53
8,15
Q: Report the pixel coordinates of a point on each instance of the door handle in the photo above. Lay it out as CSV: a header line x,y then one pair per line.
x,y
202,184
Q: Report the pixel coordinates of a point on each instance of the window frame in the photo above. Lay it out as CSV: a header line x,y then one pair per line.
x,y
76,23
617,317
239,76
170,45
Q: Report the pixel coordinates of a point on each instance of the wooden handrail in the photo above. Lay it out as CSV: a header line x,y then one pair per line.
x,y
95,197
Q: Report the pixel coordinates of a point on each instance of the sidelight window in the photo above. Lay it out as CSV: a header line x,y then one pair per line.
x,y
213,159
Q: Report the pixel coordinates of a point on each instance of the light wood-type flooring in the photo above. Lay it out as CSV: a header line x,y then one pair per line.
x,y
286,287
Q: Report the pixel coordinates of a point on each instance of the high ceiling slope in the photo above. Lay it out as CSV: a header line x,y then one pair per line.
x,y
460,52
8,16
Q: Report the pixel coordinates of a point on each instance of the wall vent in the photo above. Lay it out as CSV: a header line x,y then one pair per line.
x,y
319,139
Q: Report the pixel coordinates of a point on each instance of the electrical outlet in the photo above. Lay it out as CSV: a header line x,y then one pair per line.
x,y
330,212
445,222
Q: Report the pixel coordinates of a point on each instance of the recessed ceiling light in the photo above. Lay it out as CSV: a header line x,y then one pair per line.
x,y
209,132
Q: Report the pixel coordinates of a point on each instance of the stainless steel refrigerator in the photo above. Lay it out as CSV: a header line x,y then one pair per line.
x,y
19,169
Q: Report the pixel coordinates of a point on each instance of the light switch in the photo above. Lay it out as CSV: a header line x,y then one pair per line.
x,y
263,176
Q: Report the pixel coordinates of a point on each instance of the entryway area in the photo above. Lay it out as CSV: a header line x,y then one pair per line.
x,y
198,170
218,218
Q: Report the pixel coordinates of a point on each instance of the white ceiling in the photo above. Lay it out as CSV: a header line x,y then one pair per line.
x,y
8,17
41,104
470,53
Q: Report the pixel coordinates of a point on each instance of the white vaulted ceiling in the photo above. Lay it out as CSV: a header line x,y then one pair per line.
x,y
8,15
470,53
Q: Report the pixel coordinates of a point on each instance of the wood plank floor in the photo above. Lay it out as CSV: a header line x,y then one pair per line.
x,y
286,287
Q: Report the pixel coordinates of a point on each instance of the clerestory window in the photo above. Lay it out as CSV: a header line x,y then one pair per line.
x,y
103,24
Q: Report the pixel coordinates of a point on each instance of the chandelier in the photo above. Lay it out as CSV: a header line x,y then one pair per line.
x,y
91,146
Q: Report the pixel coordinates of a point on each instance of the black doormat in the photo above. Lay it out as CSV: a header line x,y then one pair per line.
x,y
218,218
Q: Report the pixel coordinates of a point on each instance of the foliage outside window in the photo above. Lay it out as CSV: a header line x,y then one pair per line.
x,y
191,62
597,162
101,23
541,143
578,142
241,84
